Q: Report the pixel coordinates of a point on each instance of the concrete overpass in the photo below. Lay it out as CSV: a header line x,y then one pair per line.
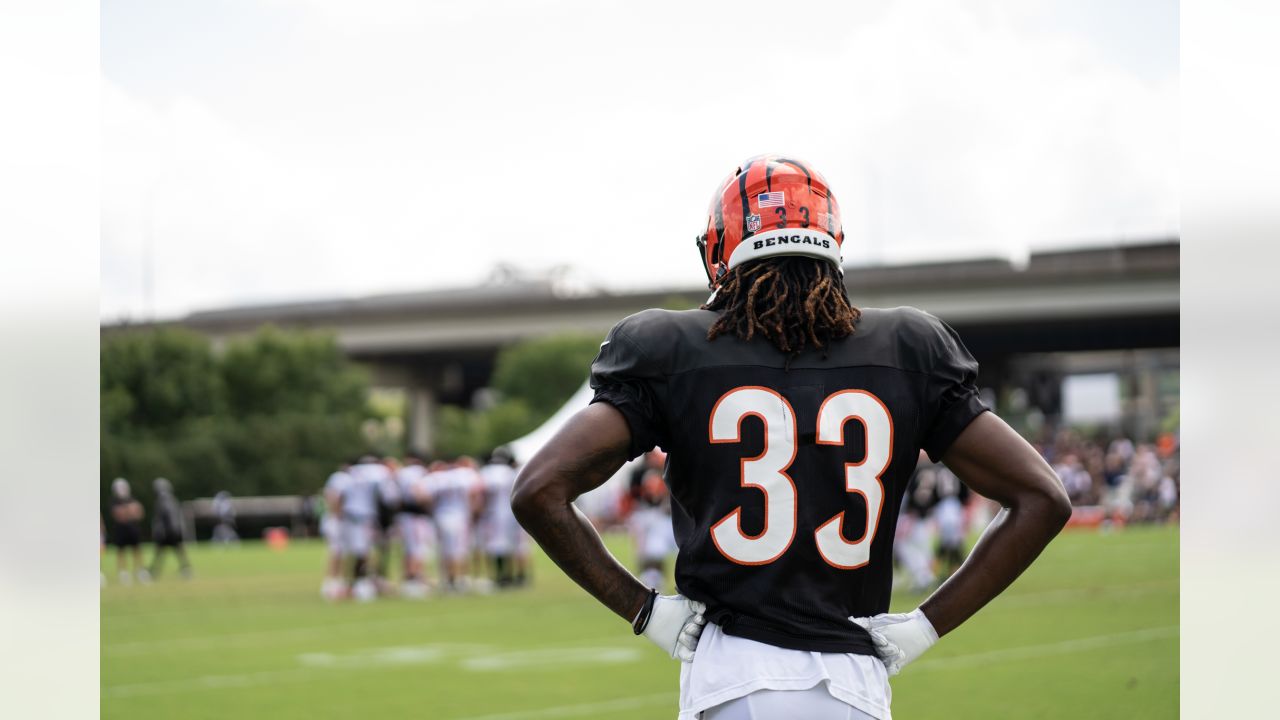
x,y
440,344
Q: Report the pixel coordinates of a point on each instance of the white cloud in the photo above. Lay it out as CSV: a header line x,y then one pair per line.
x,y
977,135
420,144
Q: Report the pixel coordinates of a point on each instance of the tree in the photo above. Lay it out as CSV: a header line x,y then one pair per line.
x,y
273,414
153,381
533,379
276,372
544,372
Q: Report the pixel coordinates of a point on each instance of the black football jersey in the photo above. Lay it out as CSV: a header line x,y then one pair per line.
x,y
787,474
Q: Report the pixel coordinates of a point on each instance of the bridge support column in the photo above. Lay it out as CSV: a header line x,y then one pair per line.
x,y
422,418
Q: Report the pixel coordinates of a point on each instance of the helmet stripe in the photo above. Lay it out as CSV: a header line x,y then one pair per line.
x,y
742,191
719,226
808,177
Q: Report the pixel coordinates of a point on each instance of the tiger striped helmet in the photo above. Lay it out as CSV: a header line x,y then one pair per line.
x,y
769,206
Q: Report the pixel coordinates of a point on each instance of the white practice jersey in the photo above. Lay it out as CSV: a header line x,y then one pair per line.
x,y
337,483
360,499
412,481
451,490
501,532
498,480
389,490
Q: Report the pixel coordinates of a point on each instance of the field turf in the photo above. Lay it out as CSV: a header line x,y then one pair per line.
x,y
1090,631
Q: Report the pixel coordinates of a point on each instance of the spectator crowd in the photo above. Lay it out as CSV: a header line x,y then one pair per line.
x,y
1130,482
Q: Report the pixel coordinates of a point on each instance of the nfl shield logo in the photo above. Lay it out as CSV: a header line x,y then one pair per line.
x,y
753,223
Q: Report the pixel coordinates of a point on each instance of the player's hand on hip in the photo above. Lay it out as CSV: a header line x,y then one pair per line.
x,y
899,638
675,625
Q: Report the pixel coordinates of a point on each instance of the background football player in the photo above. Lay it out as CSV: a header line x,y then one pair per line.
x,y
456,493
167,529
501,533
126,532
650,520
224,532
385,529
359,517
414,526
950,516
917,532
792,422
334,586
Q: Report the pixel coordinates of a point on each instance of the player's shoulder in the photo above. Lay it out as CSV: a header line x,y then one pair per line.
x,y
905,320
655,326
916,339
653,342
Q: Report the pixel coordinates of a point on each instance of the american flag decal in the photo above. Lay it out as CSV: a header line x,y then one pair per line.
x,y
770,199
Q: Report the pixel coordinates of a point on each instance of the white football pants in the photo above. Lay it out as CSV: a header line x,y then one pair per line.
x,y
812,704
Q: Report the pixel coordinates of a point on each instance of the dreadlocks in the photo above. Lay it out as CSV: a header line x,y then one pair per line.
x,y
794,302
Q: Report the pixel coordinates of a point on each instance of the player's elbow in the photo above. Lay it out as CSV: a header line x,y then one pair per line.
x,y
1053,502
1063,509
532,493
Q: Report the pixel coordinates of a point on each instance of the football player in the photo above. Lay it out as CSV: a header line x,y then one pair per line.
x,y
503,539
359,516
334,586
792,421
416,531
225,510
454,499
126,520
167,528
949,513
650,520
913,544
385,528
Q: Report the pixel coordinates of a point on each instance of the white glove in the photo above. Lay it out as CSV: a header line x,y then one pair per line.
x,y
675,625
899,638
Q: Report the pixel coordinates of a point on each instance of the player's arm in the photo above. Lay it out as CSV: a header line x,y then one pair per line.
x,y
476,496
996,462
585,453
423,495
333,499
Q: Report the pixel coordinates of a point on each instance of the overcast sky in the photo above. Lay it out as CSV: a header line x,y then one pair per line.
x,y
293,149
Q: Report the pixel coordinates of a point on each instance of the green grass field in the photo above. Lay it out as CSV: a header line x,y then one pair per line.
x,y
1090,631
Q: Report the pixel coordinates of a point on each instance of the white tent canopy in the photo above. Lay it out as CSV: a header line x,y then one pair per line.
x,y
527,446
600,502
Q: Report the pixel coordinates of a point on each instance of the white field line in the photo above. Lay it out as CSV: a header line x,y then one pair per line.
x,y
1003,654
474,658
593,708
1023,652
1049,597
208,682
1027,652
206,642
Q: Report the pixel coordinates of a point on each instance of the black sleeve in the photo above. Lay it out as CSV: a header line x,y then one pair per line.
x,y
952,395
623,376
